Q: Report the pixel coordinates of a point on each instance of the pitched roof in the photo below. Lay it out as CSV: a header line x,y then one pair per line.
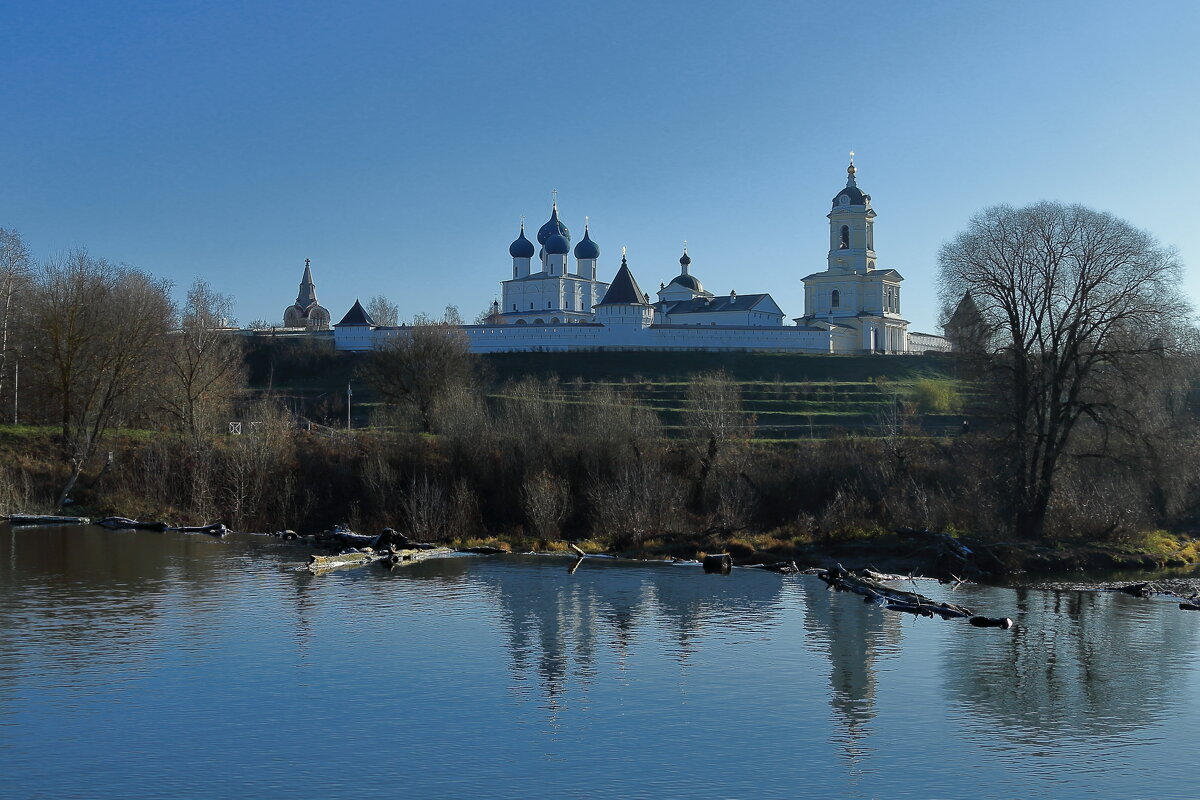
x,y
624,289
709,305
357,315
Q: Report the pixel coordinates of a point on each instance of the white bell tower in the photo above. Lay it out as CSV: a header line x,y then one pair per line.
x,y
851,228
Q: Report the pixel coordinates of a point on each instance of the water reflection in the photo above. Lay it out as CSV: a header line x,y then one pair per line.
x,y
853,636
1080,664
556,620
616,680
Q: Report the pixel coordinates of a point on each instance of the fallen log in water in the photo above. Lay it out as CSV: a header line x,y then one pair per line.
x,y
127,524
991,622
893,599
782,567
45,519
1190,606
355,558
358,558
215,529
1143,590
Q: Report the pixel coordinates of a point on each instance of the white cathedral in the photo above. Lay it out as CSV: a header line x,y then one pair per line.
x,y
850,307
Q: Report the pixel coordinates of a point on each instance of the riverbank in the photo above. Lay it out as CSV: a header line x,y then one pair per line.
x,y
904,504
913,552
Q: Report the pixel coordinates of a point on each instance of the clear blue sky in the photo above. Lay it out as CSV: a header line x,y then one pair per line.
x,y
397,144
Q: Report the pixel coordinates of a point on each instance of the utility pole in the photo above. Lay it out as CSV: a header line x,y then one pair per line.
x,y
349,394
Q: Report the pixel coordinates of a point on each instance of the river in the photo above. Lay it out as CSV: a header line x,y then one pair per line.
x,y
147,665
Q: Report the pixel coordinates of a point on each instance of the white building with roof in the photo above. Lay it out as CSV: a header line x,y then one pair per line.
x,y
850,307
852,298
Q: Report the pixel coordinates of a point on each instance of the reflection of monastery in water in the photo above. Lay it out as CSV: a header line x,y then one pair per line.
x,y
557,623
853,635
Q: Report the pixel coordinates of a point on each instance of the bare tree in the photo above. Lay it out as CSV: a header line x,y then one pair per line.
x,y
1071,302
547,502
205,372
715,421
421,365
15,271
102,331
385,313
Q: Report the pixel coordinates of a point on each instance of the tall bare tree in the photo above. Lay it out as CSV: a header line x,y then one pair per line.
x,y
1072,302
420,366
16,268
101,331
205,371
715,422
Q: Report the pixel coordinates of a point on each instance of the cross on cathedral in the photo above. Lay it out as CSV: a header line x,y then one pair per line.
x,y
307,262
554,196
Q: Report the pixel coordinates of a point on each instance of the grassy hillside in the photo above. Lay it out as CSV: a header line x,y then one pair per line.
x,y
791,396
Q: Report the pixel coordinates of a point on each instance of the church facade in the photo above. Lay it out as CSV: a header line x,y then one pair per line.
x,y
852,306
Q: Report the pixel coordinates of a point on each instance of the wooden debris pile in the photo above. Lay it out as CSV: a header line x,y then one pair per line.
x,y
874,590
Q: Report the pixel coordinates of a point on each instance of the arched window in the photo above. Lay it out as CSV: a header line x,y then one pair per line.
x,y
520,322
835,299
845,237
554,320
539,322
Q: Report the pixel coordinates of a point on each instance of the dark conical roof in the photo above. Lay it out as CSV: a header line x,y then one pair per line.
x,y
623,290
553,225
308,290
357,315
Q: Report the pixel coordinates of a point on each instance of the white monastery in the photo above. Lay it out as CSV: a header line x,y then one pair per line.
x,y
851,306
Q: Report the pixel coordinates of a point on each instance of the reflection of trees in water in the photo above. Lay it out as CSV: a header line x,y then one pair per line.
x,y
1077,663
94,596
853,635
557,623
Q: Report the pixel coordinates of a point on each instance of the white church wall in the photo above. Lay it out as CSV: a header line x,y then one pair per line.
x,y
512,338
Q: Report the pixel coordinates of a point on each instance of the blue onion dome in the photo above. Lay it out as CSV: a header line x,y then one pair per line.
x,y
685,260
553,226
557,245
586,247
522,247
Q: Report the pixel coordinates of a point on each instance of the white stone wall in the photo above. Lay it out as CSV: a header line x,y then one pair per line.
x,y
512,338
927,342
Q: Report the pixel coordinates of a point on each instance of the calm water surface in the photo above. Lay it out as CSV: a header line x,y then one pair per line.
x,y
141,665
